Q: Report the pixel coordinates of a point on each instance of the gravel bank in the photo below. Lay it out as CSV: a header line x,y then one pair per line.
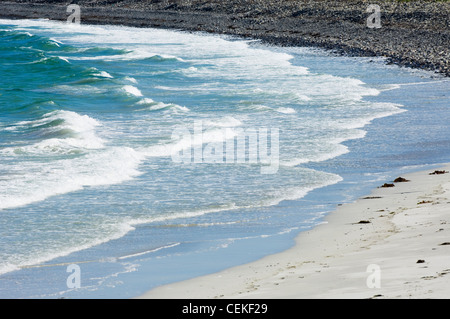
x,y
412,34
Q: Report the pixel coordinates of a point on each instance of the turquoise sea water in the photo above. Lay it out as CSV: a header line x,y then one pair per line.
x,y
119,150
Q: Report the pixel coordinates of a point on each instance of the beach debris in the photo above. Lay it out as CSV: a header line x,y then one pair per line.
x,y
420,261
372,197
401,180
387,185
438,172
364,222
424,202
445,244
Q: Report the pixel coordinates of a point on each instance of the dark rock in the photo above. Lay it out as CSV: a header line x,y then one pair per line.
x,y
401,180
438,172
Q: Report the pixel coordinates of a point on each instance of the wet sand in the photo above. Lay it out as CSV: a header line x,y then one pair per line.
x,y
393,243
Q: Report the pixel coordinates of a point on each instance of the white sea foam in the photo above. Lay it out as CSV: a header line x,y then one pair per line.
x,y
104,74
168,88
285,110
302,97
318,157
151,105
131,79
185,214
37,181
95,164
259,107
47,59
145,101
129,56
132,90
56,42
307,104
74,132
190,71
35,258
75,90
227,121
148,251
184,138
64,59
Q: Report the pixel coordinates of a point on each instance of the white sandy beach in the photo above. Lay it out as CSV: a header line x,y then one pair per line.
x,y
394,243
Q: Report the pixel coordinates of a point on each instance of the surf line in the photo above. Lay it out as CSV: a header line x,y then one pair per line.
x,y
420,83
111,259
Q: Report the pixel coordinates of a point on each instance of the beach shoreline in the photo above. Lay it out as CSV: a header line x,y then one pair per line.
x,y
393,243
321,265
412,34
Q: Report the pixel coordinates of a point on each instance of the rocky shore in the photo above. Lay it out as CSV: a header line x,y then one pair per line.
x,y
412,33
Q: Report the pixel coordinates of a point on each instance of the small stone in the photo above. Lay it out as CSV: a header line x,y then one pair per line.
x,y
438,172
400,180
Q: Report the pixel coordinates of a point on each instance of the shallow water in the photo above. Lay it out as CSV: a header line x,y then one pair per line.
x,y
148,156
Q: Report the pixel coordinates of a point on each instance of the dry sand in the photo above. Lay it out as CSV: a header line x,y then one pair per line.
x,y
394,243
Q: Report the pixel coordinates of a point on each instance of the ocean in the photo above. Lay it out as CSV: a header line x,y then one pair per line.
x,y
132,157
